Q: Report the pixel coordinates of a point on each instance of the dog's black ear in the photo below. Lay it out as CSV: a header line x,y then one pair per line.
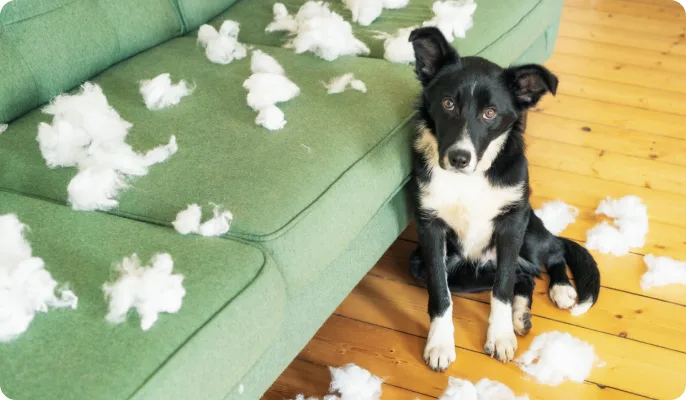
x,y
432,52
529,83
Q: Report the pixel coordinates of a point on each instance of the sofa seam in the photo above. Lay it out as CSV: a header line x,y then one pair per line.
x,y
180,13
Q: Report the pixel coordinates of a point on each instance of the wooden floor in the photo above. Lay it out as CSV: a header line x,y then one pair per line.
x,y
617,127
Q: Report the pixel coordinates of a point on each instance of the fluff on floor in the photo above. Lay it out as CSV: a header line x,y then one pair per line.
x,y
556,215
485,389
554,357
149,289
26,287
222,47
159,92
663,271
631,226
188,221
317,29
364,12
351,382
338,84
88,133
267,86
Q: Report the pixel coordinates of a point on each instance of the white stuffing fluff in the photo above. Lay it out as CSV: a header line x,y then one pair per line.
x,y
88,133
159,92
222,47
149,289
556,215
663,271
364,12
485,389
317,29
267,86
338,84
631,226
241,389
453,17
26,287
397,47
354,383
3,128
188,220
554,357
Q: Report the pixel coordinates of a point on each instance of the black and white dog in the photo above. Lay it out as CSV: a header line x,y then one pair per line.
x,y
476,228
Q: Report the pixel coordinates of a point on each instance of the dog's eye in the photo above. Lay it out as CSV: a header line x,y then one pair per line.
x,y
448,104
489,113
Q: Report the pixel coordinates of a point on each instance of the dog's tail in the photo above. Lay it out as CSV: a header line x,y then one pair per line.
x,y
586,275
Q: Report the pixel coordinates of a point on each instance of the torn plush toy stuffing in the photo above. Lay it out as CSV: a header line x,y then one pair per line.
x,y
188,221
149,289
453,17
485,389
629,230
317,29
3,128
338,84
554,357
267,86
222,47
88,133
663,271
354,383
556,215
397,47
364,12
159,92
26,287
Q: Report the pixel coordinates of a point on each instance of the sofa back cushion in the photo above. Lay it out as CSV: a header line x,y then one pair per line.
x,y
50,46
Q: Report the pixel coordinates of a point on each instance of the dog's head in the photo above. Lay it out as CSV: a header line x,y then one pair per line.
x,y
471,102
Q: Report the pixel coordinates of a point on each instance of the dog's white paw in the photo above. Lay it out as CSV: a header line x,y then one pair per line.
x,y
564,296
439,352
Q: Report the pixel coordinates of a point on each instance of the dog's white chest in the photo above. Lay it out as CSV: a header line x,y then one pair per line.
x,y
468,204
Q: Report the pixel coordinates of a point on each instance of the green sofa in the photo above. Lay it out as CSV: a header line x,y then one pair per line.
x,y
315,204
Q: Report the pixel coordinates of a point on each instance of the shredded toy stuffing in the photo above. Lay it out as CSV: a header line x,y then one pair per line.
x,y
88,133
485,389
397,47
364,12
354,383
26,287
3,128
222,47
241,389
556,215
338,84
159,92
267,86
149,289
317,29
631,226
554,357
453,17
663,271
218,225
188,220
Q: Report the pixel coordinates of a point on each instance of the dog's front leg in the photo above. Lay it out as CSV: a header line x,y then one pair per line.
x,y
439,352
501,341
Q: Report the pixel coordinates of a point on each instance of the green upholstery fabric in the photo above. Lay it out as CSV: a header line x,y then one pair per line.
x,y
493,22
47,47
198,12
75,354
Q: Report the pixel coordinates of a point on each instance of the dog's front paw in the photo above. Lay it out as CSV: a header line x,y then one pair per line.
x,y
564,296
502,346
439,356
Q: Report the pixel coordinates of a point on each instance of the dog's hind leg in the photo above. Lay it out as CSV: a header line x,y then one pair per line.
x,y
521,305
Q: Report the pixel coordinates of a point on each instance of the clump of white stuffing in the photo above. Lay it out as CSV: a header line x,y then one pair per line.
x,y
354,383
88,133
554,357
556,215
364,12
159,92
631,226
663,271
222,47
453,17
188,221
397,47
3,128
317,29
149,289
338,84
26,287
267,86
485,389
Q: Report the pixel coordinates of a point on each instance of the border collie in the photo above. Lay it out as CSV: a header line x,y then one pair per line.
x,y
476,228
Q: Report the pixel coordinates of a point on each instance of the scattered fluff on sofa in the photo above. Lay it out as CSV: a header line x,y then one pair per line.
x,y
149,289
26,287
159,92
338,84
88,133
556,215
3,128
629,230
188,221
663,271
317,29
364,12
485,389
222,47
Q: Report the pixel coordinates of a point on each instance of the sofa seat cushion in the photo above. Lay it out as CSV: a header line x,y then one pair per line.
x,y
222,328
494,21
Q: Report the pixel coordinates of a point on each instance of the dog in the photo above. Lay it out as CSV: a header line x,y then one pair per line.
x,y
475,225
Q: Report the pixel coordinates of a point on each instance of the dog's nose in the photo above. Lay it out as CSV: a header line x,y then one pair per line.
x,y
459,158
